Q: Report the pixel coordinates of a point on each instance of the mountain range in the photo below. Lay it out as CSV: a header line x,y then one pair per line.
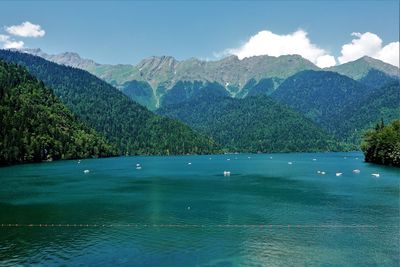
x,y
158,75
124,123
262,103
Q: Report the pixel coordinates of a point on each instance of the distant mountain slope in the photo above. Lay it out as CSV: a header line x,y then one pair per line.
x,y
184,91
36,126
163,73
342,106
320,95
133,128
140,92
353,120
359,68
376,79
252,124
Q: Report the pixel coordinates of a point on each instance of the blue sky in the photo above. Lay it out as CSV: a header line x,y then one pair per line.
x,y
128,31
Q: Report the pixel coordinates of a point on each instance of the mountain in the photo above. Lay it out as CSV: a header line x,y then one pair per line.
x,y
252,124
140,92
320,95
163,73
128,125
341,105
360,68
354,120
36,126
240,78
67,58
184,91
375,79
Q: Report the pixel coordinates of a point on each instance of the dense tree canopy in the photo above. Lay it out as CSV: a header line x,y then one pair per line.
x,y
339,104
382,145
122,121
383,103
252,124
36,126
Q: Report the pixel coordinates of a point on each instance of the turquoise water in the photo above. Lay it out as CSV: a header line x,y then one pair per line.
x,y
172,213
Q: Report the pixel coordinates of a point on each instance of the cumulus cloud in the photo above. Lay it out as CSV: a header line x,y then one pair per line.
x,y
8,43
26,29
269,43
369,44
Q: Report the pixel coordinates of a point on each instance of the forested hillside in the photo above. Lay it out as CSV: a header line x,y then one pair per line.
x,y
252,124
128,125
382,145
36,126
382,104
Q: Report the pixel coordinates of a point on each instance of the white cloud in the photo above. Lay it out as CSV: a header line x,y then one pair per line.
x,y
269,43
9,43
26,29
369,44
4,38
325,61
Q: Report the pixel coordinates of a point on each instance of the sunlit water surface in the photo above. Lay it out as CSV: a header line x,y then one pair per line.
x,y
182,211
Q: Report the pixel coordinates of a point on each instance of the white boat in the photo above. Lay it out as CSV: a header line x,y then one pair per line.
x,y
290,163
189,163
323,173
356,171
227,173
339,174
138,167
86,171
375,175
137,164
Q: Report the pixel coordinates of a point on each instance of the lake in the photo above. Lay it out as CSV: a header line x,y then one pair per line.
x,y
183,211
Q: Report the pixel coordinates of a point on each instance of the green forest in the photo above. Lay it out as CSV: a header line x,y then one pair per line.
x,y
36,126
87,117
132,128
252,124
382,145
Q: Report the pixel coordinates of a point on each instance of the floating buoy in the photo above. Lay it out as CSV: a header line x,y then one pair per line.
x,y
227,173
188,207
375,174
356,171
339,174
86,171
137,164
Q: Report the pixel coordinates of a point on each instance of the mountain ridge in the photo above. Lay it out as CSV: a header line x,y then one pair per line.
x,y
130,126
